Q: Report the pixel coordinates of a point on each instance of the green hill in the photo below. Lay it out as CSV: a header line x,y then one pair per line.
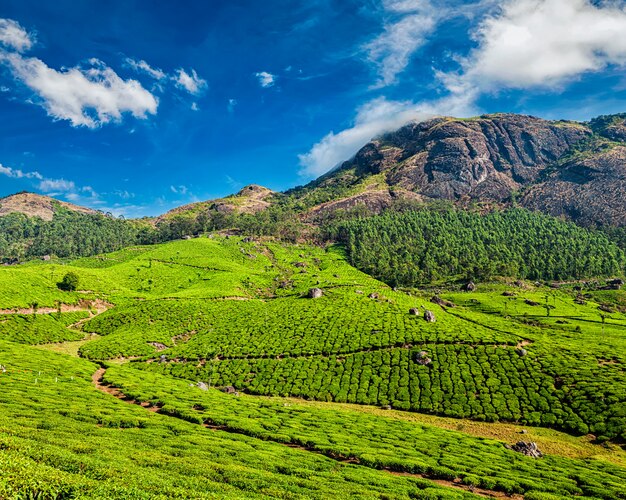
x,y
162,328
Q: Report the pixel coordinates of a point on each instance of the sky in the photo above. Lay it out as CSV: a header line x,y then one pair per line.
x,y
135,107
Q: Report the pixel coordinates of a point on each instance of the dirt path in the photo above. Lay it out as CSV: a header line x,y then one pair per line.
x,y
101,385
84,305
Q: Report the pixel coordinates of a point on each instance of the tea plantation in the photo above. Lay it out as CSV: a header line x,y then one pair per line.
x,y
173,323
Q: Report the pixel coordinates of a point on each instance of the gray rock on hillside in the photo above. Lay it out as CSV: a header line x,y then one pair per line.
x,y
422,358
529,449
429,316
315,293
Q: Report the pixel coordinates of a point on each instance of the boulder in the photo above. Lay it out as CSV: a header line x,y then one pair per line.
x,y
229,389
508,294
202,386
527,448
429,316
414,311
315,293
422,358
374,296
531,302
470,287
521,352
441,302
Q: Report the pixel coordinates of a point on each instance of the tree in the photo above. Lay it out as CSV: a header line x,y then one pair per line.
x,y
69,283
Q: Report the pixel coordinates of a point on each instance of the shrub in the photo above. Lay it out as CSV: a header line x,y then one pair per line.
x,y
69,283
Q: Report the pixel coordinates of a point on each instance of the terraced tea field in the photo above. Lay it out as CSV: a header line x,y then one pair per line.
x,y
187,317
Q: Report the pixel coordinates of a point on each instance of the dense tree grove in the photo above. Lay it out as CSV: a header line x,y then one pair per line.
x,y
68,234
425,246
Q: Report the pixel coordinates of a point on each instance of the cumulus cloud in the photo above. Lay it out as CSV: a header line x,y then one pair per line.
x,y
19,174
372,119
87,97
265,79
543,43
12,35
411,21
143,67
192,83
54,187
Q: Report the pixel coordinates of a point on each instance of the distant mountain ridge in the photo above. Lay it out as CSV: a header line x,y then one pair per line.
x,y
36,205
575,170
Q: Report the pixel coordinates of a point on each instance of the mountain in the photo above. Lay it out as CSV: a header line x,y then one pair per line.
x,y
575,170
250,199
35,205
563,168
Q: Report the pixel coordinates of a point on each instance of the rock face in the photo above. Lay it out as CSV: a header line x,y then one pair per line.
x,y
589,189
570,169
481,158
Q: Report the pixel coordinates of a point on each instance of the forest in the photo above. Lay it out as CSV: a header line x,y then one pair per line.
x,y
407,249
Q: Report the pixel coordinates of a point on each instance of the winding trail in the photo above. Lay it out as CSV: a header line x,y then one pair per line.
x,y
97,305
102,386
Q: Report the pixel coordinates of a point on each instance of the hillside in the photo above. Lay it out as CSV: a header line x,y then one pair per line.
x,y
207,371
36,205
250,199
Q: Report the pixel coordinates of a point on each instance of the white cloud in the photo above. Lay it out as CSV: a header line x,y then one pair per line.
x,y
125,195
544,43
19,174
57,186
232,104
373,119
410,23
191,83
179,189
143,66
194,106
265,79
14,36
85,96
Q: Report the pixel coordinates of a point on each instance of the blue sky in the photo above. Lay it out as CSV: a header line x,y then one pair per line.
x,y
138,106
